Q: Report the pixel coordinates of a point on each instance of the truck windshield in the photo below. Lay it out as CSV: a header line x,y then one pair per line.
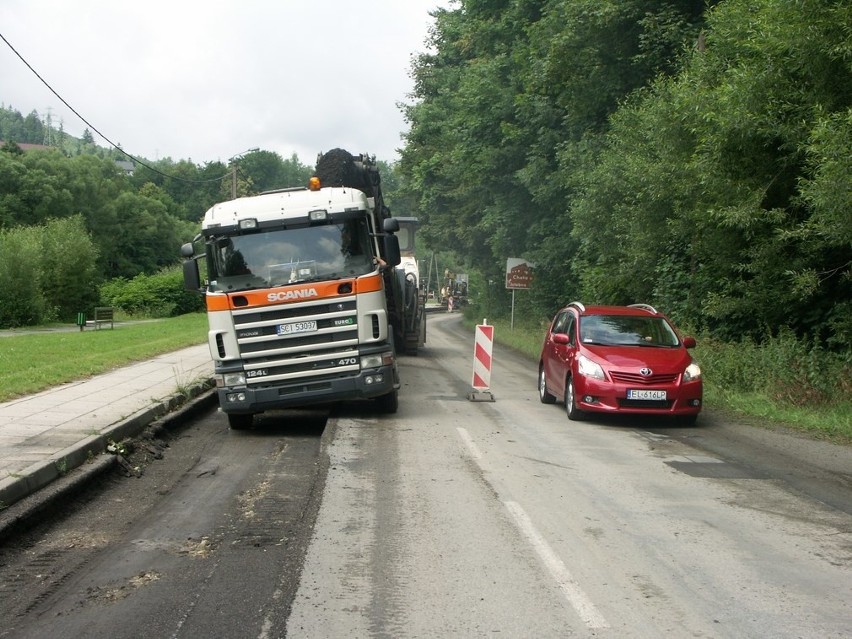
x,y
288,256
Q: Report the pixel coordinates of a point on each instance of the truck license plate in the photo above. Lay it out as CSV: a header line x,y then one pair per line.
x,y
294,328
643,394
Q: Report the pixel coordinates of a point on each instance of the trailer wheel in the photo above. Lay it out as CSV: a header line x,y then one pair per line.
x,y
388,404
240,422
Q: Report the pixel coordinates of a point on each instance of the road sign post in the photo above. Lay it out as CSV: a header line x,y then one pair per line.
x,y
519,275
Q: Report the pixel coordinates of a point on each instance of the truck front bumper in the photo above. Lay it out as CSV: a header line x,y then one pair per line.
x,y
366,384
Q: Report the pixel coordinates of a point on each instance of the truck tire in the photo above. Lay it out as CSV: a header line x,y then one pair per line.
x,y
240,422
388,404
412,342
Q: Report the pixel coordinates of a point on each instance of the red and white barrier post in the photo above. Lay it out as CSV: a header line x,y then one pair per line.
x,y
483,346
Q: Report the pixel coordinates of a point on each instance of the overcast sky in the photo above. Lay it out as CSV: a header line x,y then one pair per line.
x,y
208,79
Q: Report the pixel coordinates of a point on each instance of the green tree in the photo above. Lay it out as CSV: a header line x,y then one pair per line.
x,y
12,126
12,174
21,301
69,274
33,129
716,188
268,171
511,99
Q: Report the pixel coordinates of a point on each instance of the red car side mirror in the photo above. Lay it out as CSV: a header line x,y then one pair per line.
x,y
561,338
689,342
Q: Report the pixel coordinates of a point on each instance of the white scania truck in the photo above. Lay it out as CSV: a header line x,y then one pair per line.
x,y
303,300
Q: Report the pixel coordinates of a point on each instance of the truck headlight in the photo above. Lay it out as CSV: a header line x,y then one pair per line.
x,y
377,360
371,361
232,379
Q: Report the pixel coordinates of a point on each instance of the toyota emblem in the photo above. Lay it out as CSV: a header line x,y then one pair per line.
x,y
645,372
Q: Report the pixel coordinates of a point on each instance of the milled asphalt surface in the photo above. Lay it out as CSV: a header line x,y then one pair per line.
x,y
54,441
65,431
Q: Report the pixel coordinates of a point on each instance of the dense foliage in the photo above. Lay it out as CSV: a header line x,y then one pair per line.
x,y
72,218
47,272
694,155
161,294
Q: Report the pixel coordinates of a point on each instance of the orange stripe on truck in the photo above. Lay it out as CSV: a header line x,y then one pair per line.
x,y
295,293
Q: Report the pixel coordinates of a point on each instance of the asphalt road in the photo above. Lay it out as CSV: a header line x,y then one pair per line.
x,y
450,519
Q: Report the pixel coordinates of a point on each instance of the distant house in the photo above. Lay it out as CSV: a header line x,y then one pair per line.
x,y
28,147
126,165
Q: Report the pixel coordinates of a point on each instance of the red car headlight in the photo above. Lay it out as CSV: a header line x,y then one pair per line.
x,y
588,368
692,373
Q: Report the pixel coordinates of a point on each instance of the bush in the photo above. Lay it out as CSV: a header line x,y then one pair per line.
x,y
158,295
47,272
782,367
21,299
68,266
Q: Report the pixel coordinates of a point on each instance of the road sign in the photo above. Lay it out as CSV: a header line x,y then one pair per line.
x,y
519,273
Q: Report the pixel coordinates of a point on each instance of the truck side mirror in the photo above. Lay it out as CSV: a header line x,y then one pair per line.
x,y
187,250
391,246
191,276
390,225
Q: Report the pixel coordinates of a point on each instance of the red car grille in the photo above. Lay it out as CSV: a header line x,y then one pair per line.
x,y
635,403
636,378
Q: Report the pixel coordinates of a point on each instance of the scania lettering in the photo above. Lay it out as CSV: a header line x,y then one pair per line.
x,y
292,295
306,299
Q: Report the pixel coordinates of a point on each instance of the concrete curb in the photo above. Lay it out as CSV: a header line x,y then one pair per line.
x,y
44,483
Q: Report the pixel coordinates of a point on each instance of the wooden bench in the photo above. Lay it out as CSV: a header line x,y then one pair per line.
x,y
104,315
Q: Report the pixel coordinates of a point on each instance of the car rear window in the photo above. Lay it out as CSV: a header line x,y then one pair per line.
x,y
627,330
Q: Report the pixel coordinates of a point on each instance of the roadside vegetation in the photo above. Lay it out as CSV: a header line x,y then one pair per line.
x,y
781,382
72,218
32,362
694,156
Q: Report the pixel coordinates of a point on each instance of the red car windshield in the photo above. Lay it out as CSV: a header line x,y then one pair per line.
x,y
627,330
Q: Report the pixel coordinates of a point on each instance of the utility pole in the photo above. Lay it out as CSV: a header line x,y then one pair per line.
x,y
233,161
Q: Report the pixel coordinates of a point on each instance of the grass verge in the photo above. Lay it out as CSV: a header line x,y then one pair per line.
x,y
32,362
829,419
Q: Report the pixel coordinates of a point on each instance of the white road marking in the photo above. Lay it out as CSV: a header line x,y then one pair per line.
x,y
471,445
569,586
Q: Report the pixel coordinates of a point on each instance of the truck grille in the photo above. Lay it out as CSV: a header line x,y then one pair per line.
x,y
330,350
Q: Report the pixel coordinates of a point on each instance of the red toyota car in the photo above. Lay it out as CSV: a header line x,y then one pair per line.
x,y
619,359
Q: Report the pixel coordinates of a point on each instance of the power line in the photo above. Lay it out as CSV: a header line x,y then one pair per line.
x,y
94,128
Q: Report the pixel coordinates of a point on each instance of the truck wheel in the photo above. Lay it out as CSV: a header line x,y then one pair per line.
x,y
412,342
388,404
240,422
